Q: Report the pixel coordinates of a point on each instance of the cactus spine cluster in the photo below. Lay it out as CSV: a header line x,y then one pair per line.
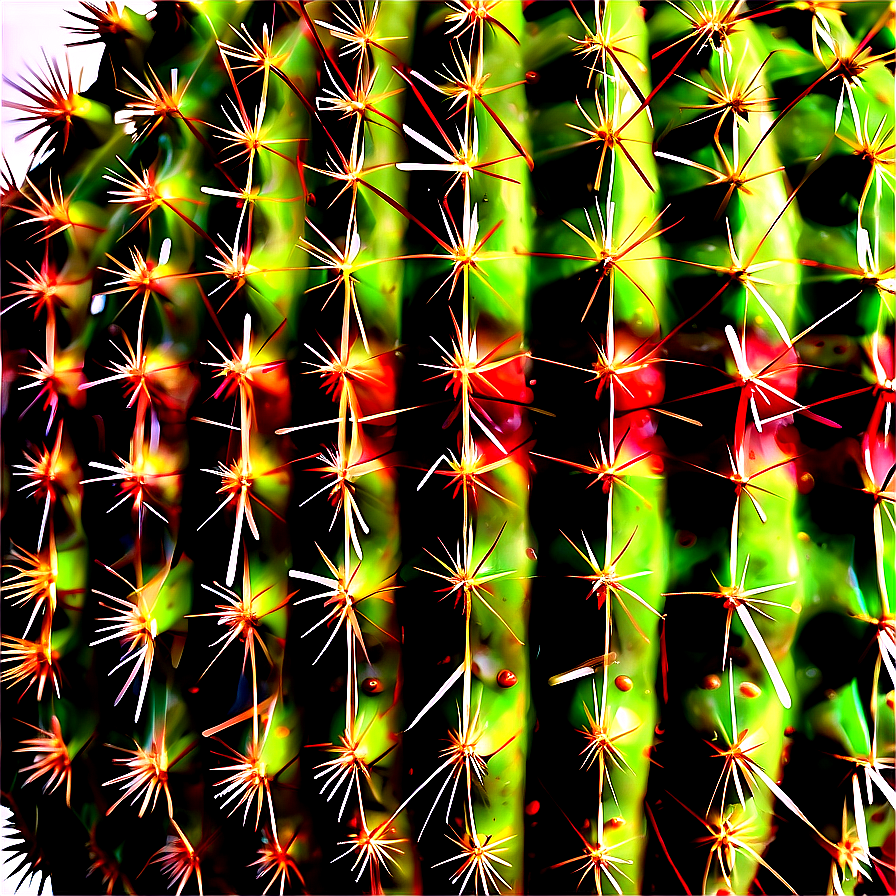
x,y
449,447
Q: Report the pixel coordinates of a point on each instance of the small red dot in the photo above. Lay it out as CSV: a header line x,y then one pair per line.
x,y
371,686
506,678
533,807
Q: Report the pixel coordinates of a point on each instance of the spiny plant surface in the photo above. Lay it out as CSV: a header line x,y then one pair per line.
x,y
449,448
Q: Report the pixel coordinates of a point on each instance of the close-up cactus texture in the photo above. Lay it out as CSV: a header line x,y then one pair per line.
x,y
449,448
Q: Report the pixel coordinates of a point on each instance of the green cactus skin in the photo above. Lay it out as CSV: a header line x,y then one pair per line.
x,y
408,410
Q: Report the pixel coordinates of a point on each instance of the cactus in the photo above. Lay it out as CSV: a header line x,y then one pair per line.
x,y
449,447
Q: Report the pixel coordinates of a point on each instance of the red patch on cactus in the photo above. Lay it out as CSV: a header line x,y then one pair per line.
x,y
776,364
500,402
637,377
641,442
878,459
60,377
767,375
272,397
374,386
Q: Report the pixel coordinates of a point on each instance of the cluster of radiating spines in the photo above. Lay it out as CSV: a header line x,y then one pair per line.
x,y
845,61
764,375
348,366
467,370
48,472
147,477
245,780
476,375
49,469
611,105
766,368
